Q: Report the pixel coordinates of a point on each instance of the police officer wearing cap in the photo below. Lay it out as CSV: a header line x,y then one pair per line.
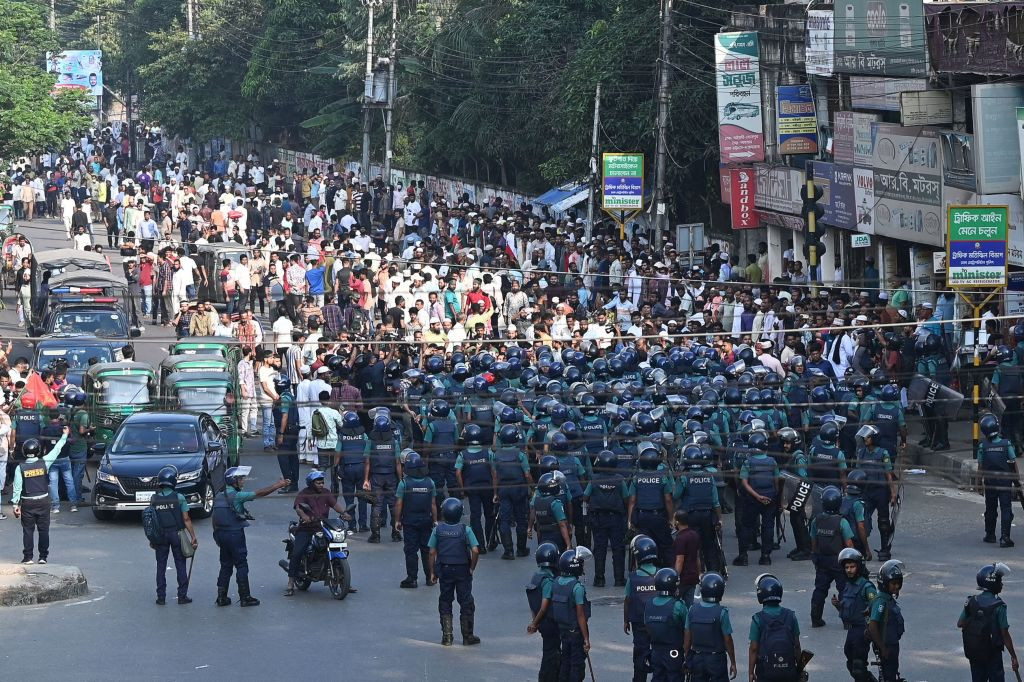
x,y
354,454
416,511
997,464
665,622
857,596
171,510
313,504
454,552
547,513
381,473
774,652
708,638
885,623
570,609
830,534
31,495
607,495
986,629
230,519
539,589
512,471
639,591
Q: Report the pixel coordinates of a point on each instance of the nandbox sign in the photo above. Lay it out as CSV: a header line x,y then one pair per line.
x,y
976,246
738,80
743,183
623,182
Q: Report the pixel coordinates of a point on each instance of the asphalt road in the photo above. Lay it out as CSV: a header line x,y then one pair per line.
x,y
385,633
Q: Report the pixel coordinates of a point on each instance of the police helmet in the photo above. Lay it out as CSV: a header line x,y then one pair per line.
x,y
989,425
796,361
31,448
588,404
820,396
439,408
314,476
559,442
666,580
733,396
607,461
890,571
515,367
472,434
757,440
712,588
499,369
693,456
350,420
831,499
232,475
752,396
789,436
746,416
616,367
547,484
625,432
855,482
990,577
933,344
768,588
414,462
382,423
867,431
434,364
509,434
570,563
547,556
851,554
549,463
74,398
890,393
766,396
649,460
451,510
571,431
167,476
559,413
460,372
600,367
828,432
528,377
644,423
555,369
282,384
393,369
644,549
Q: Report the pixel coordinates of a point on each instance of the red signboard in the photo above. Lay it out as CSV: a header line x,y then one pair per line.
x,y
743,184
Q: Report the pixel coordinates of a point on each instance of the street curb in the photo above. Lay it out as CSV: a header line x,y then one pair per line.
x,y
953,464
25,584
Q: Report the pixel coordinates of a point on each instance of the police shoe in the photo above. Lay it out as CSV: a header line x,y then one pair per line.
x,y
160,601
508,555
599,581
185,600
989,539
740,560
620,582
408,582
395,535
1005,542
941,447
765,560
800,556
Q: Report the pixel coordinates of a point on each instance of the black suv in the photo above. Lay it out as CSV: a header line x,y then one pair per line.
x,y
147,442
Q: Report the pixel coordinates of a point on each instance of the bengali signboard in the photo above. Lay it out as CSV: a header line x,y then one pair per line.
x,y
976,37
623,182
738,79
853,142
839,197
797,125
976,246
778,188
819,56
880,37
995,129
908,183
958,160
864,199
743,186
926,108
882,94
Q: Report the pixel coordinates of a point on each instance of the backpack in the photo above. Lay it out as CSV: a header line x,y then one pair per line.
x,y
319,425
982,638
776,658
151,526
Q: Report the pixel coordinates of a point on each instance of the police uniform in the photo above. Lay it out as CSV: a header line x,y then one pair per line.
x,y
32,493
230,519
708,625
852,509
474,465
511,469
607,494
997,465
889,419
665,622
354,449
885,611
384,454
830,533
170,508
567,593
639,592
548,513
441,435
1009,386
454,543
825,466
651,517
697,495
539,589
857,598
988,668
875,463
773,628
934,366
761,473
417,494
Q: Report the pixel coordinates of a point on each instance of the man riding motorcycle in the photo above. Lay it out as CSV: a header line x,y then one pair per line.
x,y
312,504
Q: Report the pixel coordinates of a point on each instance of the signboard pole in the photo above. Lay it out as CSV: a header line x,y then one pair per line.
x,y
978,309
621,218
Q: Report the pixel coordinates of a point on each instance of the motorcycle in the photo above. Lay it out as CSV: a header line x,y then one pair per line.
x,y
326,559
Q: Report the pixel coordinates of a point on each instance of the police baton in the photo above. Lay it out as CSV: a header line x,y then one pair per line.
x,y
1017,673
188,578
590,665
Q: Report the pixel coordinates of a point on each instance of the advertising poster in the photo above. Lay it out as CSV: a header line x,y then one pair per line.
x,y
840,197
842,144
797,124
744,215
863,139
819,55
976,37
82,69
880,37
958,160
864,196
908,183
882,94
738,79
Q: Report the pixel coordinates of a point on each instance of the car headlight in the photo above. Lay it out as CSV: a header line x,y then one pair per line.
x,y
108,478
190,476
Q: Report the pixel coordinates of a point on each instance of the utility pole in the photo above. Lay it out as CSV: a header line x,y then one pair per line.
x,y
53,16
190,19
392,93
593,163
367,91
660,210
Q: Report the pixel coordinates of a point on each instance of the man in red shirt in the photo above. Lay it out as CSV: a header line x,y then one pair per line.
x,y
686,556
146,283
476,296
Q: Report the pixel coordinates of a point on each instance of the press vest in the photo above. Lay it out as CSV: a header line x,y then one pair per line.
x,y
662,628
452,549
509,466
705,629
352,444
417,500
641,592
168,511
606,494
699,491
382,453
34,481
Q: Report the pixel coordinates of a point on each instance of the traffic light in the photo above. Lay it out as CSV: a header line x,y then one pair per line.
x,y
811,212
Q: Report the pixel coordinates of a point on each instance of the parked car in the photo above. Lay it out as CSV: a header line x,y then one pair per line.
x,y
76,351
147,442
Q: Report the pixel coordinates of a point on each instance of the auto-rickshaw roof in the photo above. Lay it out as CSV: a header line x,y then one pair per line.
x,y
58,259
198,378
120,368
85,278
203,342
174,360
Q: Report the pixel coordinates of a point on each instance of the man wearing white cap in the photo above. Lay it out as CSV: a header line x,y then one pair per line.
x,y
303,399
763,349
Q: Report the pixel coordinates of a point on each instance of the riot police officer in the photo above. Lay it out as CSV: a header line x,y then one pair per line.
x,y
561,444
539,589
774,635
932,363
230,519
830,534
650,503
640,590
708,638
607,497
997,464
440,437
697,495
986,630
547,513
416,512
885,624
513,475
571,610
31,495
827,463
381,473
1007,382
354,449
852,509
665,622
858,595
879,487
476,476
454,551
886,414
795,462
760,477
171,509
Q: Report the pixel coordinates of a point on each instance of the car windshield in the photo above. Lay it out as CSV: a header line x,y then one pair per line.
x,y
93,323
124,389
141,438
209,399
77,358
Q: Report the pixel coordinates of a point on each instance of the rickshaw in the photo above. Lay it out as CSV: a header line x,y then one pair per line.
x,y
211,392
207,345
210,257
194,363
116,390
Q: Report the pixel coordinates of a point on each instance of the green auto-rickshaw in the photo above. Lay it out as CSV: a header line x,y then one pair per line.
x,y
116,390
211,392
195,363
229,349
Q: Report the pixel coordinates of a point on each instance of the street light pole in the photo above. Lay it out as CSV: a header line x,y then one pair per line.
x,y
660,210
392,92
367,90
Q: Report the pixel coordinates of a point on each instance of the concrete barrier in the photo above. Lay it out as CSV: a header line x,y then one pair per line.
x,y
25,584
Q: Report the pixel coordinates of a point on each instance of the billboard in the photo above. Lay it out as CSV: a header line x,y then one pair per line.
x,y
839,198
743,185
864,199
908,183
880,37
976,37
778,188
976,251
738,81
958,160
995,128
818,56
882,94
82,69
623,182
797,125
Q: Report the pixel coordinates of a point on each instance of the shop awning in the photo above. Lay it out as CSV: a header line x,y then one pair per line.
x,y
559,194
571,200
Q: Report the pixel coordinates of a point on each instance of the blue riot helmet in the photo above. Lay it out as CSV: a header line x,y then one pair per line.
x,y
451,510
666,580
547,556
768,589
644,549
434,364
509,434
570,563
712,588
559,442
472,434
382,423
439,408
167,476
